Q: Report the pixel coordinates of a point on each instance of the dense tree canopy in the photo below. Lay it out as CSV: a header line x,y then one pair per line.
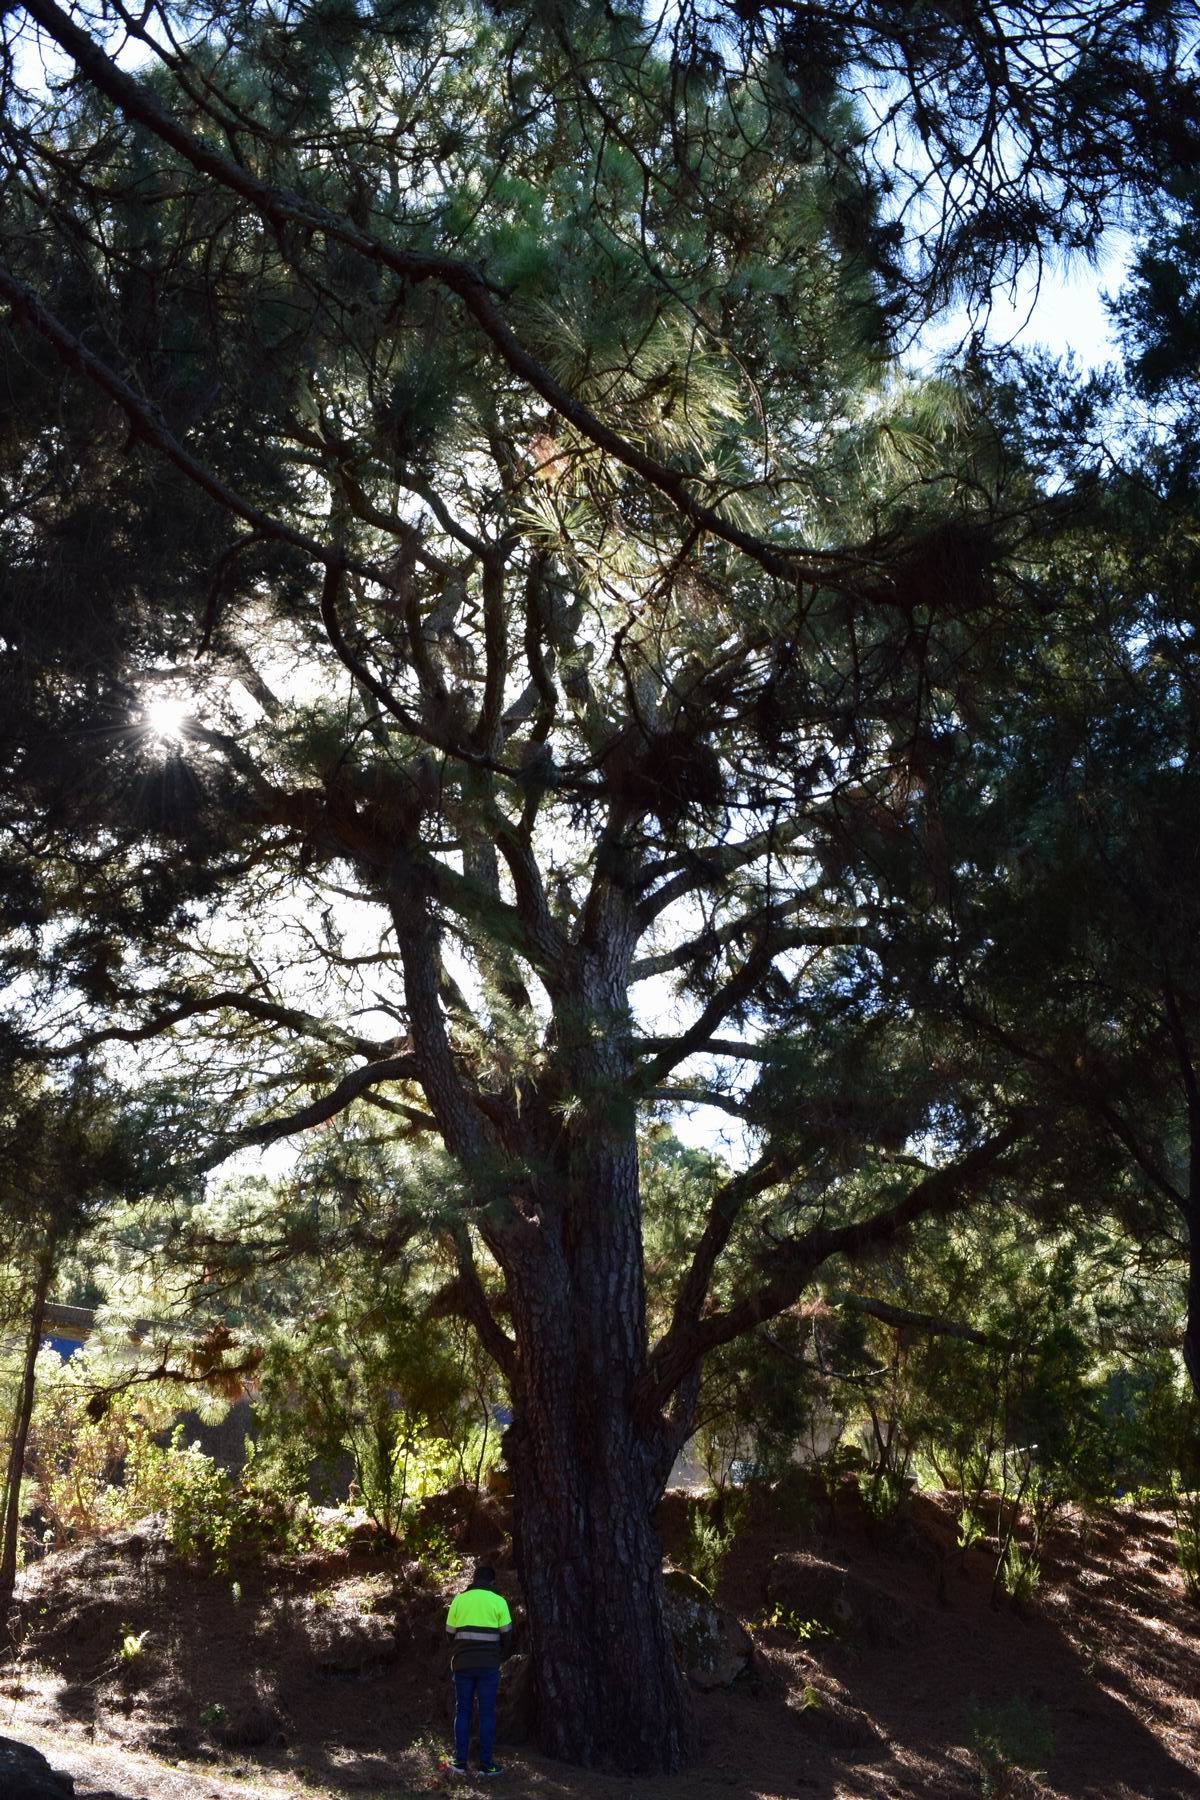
x,y
495,645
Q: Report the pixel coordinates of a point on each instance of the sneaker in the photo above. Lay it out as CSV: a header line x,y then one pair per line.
x,y
454,1768
490,1769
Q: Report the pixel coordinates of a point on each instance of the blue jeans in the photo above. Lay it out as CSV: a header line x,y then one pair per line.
x,y
485,1683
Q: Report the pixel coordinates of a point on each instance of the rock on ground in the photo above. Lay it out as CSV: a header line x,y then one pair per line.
x,y
828,1718
26,1775
810,1591
712,1646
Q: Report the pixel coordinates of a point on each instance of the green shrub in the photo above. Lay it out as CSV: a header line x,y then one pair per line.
x,y
93,1460
398,1463
1008,1738
972,1526
708,1542
216,1519
805,1631
1187,1543
132,1644
433,1548
364,1381
1020,1573
883,1493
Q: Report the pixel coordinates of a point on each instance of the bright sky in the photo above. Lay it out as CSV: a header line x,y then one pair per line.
x,y
1065,314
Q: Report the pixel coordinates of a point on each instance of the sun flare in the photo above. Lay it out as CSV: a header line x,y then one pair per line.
x,y
166,718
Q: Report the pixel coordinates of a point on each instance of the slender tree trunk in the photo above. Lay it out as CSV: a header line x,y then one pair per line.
x,y
24,1413
1191,1330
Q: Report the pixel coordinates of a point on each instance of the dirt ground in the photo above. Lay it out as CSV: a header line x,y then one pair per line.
x,y
326,1677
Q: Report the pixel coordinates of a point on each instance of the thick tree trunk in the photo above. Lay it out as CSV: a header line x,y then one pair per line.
x,y
22,1417
588,1477
608,1687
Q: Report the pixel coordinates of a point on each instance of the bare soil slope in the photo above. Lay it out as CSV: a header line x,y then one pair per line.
x,y
327,1676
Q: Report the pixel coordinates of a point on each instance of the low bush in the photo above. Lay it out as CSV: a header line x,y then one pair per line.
x,y
1187,1543
93,1458
708,1540
218,1519
1009,1739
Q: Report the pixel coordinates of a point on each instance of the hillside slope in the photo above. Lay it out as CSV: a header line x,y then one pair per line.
x,y
879,1669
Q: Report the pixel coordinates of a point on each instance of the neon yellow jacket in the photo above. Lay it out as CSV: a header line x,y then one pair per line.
x,y
480,1625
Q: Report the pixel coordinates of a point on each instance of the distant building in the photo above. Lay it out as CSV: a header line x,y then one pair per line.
x,y
67,1328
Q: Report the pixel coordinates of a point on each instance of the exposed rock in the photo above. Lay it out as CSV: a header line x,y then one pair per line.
x,y
712,1646
807,1589
514,1703
830,1720
26,1775
248,1726
359,1650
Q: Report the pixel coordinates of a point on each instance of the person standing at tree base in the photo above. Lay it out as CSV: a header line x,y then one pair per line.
x,y
480,1628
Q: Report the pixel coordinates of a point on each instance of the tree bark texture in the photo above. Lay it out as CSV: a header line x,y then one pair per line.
x,y
589,1467
588,1477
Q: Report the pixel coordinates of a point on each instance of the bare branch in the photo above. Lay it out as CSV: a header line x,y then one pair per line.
x,y
270,1012
930,1324
351,1087
465,1296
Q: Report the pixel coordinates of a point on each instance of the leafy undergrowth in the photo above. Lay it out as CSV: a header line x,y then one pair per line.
x,y
882,1670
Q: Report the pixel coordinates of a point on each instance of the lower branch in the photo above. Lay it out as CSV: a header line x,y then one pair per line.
x,y
794,1264
929,1324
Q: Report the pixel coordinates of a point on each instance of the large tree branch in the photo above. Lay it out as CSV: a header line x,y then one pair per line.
x,y
1091,1097
418,727
741,1049
693,1094
451,1099
339,455
357,1083
538,924
466,1297
808,937
495,642
270,1012
792,1265
692,869
150,425
732,994
724,1210
929,1324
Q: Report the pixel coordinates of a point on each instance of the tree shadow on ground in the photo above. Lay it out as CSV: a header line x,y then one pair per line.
x,y
335,1667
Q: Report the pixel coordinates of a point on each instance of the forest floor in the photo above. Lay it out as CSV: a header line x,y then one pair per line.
x,y
324,1677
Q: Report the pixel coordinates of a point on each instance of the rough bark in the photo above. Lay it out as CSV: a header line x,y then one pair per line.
x,y
589,1463
588,1476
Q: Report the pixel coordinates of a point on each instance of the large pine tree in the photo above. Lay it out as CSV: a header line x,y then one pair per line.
x,y
482,603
